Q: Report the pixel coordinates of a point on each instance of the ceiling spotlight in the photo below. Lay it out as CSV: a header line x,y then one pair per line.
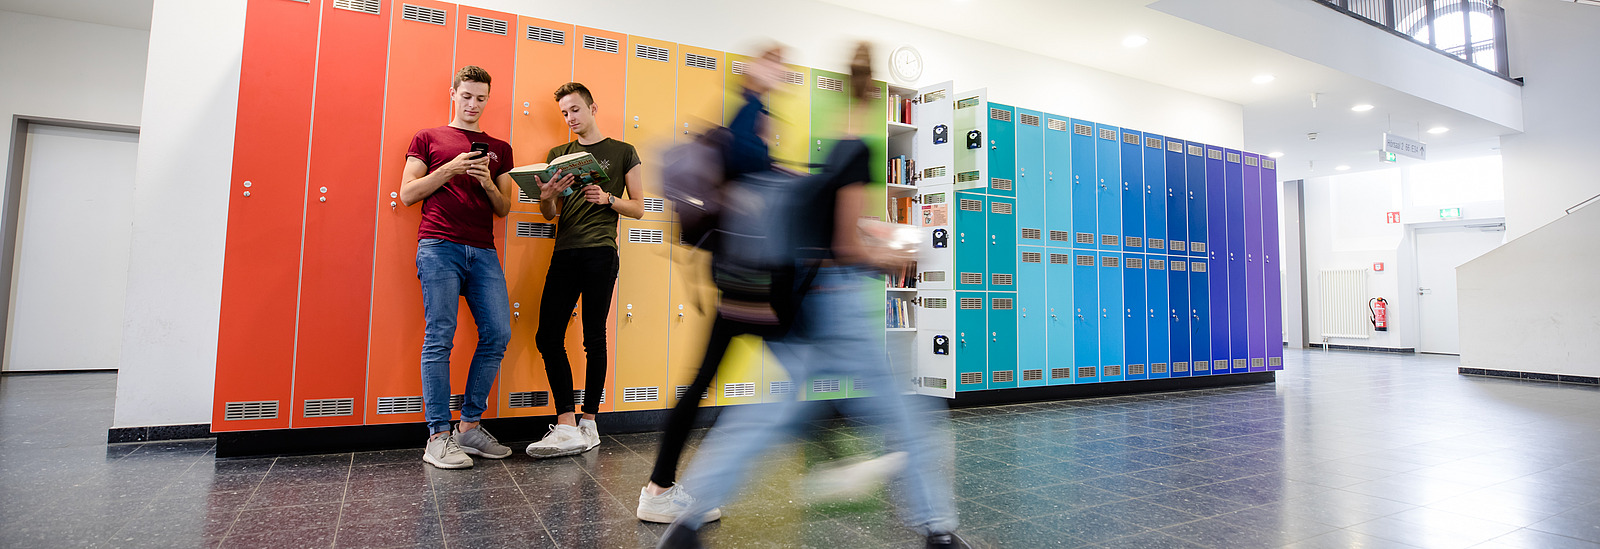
x,y
1263,78
1342,168
1134,41
1275,154
1436,130
1361,108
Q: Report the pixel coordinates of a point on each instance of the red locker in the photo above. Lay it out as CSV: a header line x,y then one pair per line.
x,y
255,336
336,272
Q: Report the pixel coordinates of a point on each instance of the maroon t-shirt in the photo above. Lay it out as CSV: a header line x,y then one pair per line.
x,y
459,211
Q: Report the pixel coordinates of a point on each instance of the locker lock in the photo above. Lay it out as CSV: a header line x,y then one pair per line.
x,y
1105,314
324,190
247,184
322,199
247,194
994,336
516,305
630,311
516,314
394,195
680,312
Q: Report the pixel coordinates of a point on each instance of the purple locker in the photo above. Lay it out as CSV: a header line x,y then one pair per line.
x,y
1217,261
1255,274
1269,253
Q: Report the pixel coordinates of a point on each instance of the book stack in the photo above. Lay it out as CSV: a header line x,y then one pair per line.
x,y
900,210
901,170
899,109
906,278
899,313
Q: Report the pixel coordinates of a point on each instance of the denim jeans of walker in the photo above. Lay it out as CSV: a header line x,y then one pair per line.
x,y
450,271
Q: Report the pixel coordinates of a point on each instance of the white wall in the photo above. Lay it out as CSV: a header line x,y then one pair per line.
x,y
1552,166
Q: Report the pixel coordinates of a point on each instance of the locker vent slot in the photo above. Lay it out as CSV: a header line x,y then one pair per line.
x,y
1180,366
530,399
1176,245
1196,150
795,78
1180,265
1083,260
684,389
523,198
1028,119
641,394
1130,138
1258,363
933,276
1158,264
1000,114
1157,243
1197,266
261,409
875,92
1135,369
1113,370
1239,363
485,24
1250,161
934,172
400,405
1158,368
699,61
1061,236
966,103
1057,125
859,385
1063,259
935,303
422,15
780,387
600,43
967,177
1269,164
1085,238
1033,375
655,205
456,401
1233,158
829,84
1000,279
363,6
644,236
1032,257
1202,366
1061,373
970,303
1198,247
1110,261
739,390
1001,208
968,204
935,382
1083,130
1002,303
1174,146
548,36
736,66
971,378
934,95
1135,263
653,53
1036,234
330,407
1274,362
935,198
529,229
577,396
824,385
1213,154
1003,376
1133,242
972,278
1108,134
1086,371
1000,184
1152,142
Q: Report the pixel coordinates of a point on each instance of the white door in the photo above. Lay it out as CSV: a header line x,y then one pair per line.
x,y
71,270
1439,252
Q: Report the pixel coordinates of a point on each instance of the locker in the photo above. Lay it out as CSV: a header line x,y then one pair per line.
x,y
971,341
969,123
642,316
1155,194
336,259
1135,323
830,104
1002,256
1255,276
936,161
261,266
1085,188
935,347
1030,179
1002,143
1178,315
1086,310
790,125
599,64
1269,251
544,63
1133,192
701,91
1061,194
1155,241
1061,322
739,379
876,136
1217,261
1238,293
1195,181
969,239
1177,255
1033,318
1108,194
1004,369
1200,305
936,254
692,298
1111,314
1177,225
1157,317
650,113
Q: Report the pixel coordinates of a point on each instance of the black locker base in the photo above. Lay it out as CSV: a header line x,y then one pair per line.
x,y
1020,395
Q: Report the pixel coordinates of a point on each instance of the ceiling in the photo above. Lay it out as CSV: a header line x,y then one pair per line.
x,y
133,14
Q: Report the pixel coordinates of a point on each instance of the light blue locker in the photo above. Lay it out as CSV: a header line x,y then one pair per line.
x,y
1033,317
1061,320
1003,364
1031,180
971,240
1155,194
1084,186
971,344
1002,244
1108,195
1086,313
1002,151
1133,237
1135,326
1111,315
1157,317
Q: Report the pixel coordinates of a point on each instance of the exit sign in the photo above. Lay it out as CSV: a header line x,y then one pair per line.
x,y
1450,213
1391,217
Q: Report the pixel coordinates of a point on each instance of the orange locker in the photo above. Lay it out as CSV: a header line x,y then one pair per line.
x,y
641,374
649,113
255,333
598,63
544,63
692,300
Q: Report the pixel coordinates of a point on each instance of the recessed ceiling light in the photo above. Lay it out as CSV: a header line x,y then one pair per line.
x,y
1263,78
1134,41
1342,168
1361,108
1436,130
1275,154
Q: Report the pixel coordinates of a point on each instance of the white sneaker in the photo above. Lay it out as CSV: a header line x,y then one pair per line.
x,y
591,433
562,440
443,452
667,507
851,479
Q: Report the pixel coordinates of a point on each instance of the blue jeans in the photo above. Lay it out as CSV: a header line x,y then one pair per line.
x,y
450,271
835,333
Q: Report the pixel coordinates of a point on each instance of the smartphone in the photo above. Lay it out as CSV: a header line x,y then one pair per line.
x,y
480,149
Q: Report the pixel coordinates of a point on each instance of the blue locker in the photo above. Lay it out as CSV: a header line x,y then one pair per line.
x,y
1002,151
1062,321
971,344
1084,187
1133,237
971,240
1135,326
1155,241
1238,295
1086,309
1177,251
1031,187
1156,317
1108,198
1195,181
1003,364
1199,317
1033,317
1002,244
1111,324
1217,259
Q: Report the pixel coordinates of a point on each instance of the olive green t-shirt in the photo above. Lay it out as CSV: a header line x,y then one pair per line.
x,y
586,225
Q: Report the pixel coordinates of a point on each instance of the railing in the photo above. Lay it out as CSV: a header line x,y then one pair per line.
x,y
1473,31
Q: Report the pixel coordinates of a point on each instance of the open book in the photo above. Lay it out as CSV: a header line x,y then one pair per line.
x,y
581,165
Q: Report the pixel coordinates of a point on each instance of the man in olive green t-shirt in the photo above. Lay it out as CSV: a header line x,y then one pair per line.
x,y
584,265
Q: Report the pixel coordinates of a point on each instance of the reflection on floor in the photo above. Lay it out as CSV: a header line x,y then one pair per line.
x,y
1347,449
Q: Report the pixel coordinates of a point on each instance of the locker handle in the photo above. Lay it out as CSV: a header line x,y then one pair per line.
x,y
516,315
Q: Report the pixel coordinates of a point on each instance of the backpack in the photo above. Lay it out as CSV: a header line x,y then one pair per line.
x,y
692,180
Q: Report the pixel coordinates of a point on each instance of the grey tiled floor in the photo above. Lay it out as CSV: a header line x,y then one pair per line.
x,y
1346,450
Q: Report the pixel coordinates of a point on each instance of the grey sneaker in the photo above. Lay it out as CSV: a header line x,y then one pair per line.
x,y
563,440
668,506
479,442
444,453
591,433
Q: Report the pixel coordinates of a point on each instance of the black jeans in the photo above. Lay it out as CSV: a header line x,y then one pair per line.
x,y
590,273
681,420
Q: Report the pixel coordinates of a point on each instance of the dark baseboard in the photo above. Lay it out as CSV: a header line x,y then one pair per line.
x,y
993,397
9,373
1396,350
1530,376
119,435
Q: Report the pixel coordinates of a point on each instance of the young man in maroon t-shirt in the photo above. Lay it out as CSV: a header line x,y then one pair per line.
x,y
462,191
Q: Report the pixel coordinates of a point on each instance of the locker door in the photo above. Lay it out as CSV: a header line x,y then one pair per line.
x,y
790,126
1195,181
1033,317
1199,318
1002,150
936,365
642,315
692,301
1108,194
1178,315
1155,194
1030,180
599,64
1086,313
830,104
421,58
1157,317
970,240
649,116
1133,192
1217,260
972,339
1002,244
1111,317
1085,215
1059,192
1177,226
1135,330
1063,324
336,262
970,122
1238,294
701,85
261,266
741,372
1255,276
544,63
936,256
1269,252
1003,365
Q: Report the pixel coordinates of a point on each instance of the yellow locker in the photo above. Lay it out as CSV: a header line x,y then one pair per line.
x,y
700,91
693,299
649,113
739,379
640,376
790,103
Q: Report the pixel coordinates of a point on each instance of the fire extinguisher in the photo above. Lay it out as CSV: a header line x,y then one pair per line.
x,y
1380,313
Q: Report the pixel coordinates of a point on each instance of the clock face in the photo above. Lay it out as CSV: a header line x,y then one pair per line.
x,y
906,64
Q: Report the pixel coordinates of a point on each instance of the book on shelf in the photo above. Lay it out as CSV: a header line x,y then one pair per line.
x,y
897,313
900,210
906,278
899,109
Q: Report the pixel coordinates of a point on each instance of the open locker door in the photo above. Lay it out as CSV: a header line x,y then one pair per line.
x,y
970,139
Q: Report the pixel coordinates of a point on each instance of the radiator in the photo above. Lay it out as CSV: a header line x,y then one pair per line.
x,y
1344,303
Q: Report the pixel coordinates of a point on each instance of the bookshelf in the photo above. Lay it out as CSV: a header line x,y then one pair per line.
x,y
901,297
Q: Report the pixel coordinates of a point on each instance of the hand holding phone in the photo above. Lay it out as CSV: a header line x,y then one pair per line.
x,y
479,150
